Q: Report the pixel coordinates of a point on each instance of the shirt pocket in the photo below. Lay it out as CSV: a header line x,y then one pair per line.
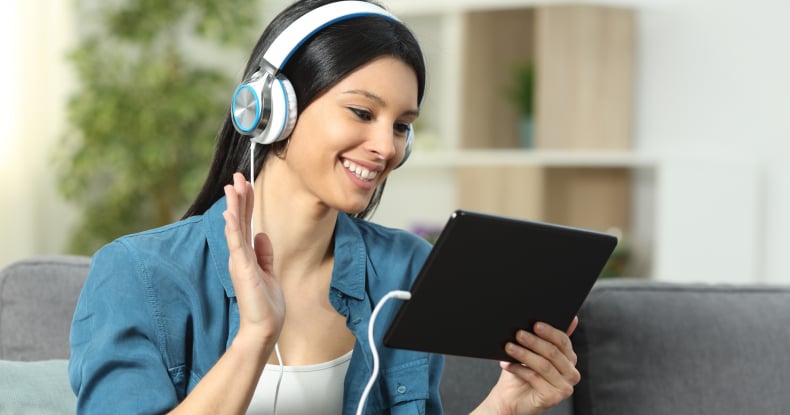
x,y
406,387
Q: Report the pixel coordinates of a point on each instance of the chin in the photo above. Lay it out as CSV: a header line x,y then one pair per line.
x,y
354,208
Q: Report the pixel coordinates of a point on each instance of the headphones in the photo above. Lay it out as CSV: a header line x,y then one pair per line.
x,y
264,106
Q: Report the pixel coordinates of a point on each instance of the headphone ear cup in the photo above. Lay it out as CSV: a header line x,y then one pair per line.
x,y
249,108
407,147
283,112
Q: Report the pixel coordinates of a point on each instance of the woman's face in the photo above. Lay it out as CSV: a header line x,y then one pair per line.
x,y
347,141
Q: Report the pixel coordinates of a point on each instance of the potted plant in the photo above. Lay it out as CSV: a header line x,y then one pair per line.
x,y
521,95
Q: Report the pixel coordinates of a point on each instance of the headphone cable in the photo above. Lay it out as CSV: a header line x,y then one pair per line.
x,y
401,295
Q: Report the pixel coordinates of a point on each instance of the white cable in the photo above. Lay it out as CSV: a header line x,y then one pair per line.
x,y
402,295
252,184
279,378
252,237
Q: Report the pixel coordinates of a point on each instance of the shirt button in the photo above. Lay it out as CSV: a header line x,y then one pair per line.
x,y
401,389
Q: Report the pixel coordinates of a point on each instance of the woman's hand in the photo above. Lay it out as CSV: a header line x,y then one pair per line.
x,y
260,298
545,377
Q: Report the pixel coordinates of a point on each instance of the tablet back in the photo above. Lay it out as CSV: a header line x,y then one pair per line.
x,y
489,276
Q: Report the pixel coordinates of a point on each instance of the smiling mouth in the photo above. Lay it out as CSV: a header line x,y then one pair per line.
x,y
359,171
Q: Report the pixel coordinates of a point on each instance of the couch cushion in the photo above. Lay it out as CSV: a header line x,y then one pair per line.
x,y
651,348
31,388
37,300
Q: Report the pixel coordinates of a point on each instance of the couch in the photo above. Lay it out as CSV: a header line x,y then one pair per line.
x,y
37,300
644,347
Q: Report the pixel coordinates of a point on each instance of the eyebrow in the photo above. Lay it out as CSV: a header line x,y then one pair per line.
x,y
378,100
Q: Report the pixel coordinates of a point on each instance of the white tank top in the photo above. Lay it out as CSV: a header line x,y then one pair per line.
x,y
310,389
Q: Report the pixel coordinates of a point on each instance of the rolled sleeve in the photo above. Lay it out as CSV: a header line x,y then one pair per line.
x,y
117,364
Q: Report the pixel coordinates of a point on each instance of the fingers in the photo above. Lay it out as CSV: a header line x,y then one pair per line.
x,y
572,327
548,361
240,203
545,394
549,342
238,216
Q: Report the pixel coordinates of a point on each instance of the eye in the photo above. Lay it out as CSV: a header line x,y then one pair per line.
x,y
361,114
402,128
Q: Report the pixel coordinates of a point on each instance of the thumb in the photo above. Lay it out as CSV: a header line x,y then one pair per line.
x,y
264,253
574,324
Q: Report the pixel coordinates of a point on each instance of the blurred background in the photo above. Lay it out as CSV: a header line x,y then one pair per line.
x,y
664,121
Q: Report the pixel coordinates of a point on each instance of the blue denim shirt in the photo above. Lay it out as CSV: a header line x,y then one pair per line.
x,y
158,310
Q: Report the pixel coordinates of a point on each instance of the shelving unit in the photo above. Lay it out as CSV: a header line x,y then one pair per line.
x,y
581,169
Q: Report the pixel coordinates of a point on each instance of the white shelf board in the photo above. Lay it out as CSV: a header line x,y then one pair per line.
x,y
521,157
418,7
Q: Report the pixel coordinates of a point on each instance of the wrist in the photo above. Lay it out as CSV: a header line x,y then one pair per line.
x,y
487,407
494,404
254,345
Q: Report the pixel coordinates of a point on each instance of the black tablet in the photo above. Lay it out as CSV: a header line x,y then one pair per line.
x,y
488,276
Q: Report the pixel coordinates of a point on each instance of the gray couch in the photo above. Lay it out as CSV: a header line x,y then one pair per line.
x,y
644,347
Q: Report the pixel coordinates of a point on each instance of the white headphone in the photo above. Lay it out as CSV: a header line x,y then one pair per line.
x,y
264,107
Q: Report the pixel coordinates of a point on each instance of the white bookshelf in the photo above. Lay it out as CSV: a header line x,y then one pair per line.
x,y
581,171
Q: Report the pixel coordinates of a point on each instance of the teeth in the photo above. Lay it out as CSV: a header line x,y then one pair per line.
x,y
360,171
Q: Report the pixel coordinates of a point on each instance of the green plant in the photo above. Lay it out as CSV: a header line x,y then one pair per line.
x,y
141,126
522,90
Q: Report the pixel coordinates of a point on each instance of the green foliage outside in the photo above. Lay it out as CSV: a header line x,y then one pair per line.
x,y
142,125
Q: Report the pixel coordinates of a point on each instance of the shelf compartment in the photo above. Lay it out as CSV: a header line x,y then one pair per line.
x,y
592,198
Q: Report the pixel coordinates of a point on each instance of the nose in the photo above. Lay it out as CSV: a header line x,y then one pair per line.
x,y
383,142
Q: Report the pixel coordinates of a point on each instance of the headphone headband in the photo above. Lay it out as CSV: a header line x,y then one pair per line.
x,y
304,27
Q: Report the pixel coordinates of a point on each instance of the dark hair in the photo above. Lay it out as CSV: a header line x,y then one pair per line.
x,y
318,64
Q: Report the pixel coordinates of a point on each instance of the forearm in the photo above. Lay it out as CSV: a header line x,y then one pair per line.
x,y
228,387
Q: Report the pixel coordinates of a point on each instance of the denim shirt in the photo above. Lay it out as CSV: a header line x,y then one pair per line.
x,y
158,310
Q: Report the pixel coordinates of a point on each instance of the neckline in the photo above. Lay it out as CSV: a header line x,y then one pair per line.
x,y
310,368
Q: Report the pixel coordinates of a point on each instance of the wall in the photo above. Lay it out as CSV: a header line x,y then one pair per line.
x,y
713,89
36,35
712,99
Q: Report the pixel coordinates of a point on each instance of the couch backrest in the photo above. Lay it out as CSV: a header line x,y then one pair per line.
x,y
658,348
37,300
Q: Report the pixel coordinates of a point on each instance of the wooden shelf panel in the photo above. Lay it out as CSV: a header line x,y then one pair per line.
x,y
598,199
584,76
592,198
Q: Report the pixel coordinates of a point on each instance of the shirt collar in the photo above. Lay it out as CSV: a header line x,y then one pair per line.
x,y
217,244
348,275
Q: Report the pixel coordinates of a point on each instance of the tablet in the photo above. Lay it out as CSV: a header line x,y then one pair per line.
x,y
488,276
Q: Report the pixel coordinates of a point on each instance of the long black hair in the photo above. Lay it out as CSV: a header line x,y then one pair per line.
x,y
318,64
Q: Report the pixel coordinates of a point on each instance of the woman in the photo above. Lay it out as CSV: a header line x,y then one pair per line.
x,y
185,318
